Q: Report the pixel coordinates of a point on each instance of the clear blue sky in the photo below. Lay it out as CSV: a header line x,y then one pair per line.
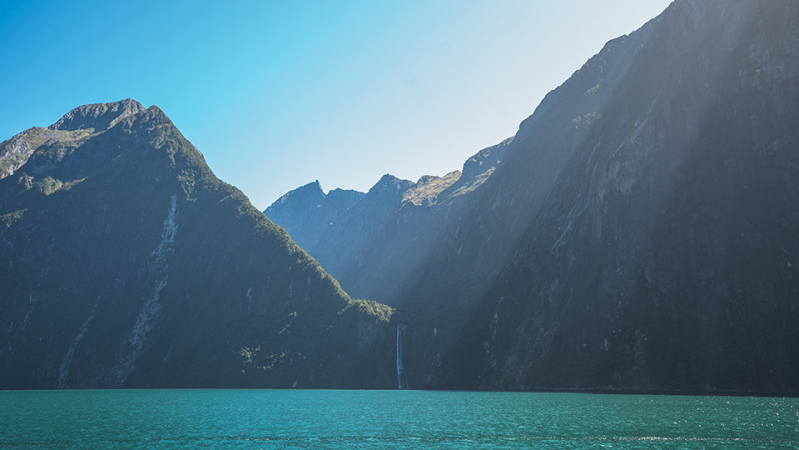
x,y
277,94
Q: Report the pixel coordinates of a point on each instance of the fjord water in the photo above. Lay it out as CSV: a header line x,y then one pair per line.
x,y
390,419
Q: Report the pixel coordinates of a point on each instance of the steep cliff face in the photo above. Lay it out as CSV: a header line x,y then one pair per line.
x,y
655,196
127,263
639,232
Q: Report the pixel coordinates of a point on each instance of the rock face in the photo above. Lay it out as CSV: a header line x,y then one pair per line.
x,y
62,137
13,154
127,263
640,232
98,116
650,204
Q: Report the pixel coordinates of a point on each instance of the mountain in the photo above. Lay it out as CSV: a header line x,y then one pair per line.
x,y
373,245
307,211
127,263
638,234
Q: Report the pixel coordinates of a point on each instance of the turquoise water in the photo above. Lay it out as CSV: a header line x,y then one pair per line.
x,y
390,419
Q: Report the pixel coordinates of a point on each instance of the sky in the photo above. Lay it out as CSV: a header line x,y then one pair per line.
x,y
277,94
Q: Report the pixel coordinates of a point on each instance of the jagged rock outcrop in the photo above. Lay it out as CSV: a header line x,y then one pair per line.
x,y
127,263
97,116
13,154
59,140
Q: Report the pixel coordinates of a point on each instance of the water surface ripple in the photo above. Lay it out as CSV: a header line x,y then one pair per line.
x,y
390,419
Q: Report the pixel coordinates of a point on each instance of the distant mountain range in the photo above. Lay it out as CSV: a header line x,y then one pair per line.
x,y
371,242
639,232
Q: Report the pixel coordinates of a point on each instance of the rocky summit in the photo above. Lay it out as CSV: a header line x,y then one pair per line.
x,y
127,263
307,211
639,232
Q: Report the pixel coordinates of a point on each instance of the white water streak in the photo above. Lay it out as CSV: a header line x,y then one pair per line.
x,y
64,370
133,346
402,379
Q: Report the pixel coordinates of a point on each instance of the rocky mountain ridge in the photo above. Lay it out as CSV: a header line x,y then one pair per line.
x,y
76,125
374,243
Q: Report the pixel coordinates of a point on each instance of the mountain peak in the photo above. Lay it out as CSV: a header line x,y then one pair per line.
x,y
100,116
316,185
391,181
310,193
153,115
136,216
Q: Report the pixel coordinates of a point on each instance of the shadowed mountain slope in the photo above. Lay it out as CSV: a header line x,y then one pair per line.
x,y
648,209
127,263
639,232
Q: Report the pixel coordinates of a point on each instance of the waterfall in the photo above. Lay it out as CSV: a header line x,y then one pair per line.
x,y
402,379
